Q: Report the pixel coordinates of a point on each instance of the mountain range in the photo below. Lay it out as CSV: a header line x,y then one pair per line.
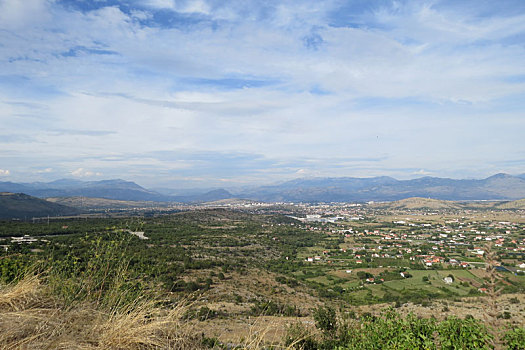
x,y
109,189
347,189
336,189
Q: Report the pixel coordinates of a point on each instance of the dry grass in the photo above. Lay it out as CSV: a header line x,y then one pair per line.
x,y
31,319
146,326
20,295
241,330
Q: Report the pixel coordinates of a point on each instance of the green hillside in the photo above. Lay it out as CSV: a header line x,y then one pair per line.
x,y
20,206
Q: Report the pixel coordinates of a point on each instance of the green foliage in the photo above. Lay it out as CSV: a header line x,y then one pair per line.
x,y
270,308
391,331
212,343
325,319
514,300
100,274
364,275
291,282
12,268
515,339
202,314
456,334
506,315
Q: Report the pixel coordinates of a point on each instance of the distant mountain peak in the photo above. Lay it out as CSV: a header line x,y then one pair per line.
x,y
220,191
500,176
66,181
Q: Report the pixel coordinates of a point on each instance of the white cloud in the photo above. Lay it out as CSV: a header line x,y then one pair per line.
x,y
44,171
81,172
196,6
4,172
161,4
422,172
15,14
394,85
188,6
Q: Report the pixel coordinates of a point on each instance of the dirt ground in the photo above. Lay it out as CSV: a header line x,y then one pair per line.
x,y
272,329
475,306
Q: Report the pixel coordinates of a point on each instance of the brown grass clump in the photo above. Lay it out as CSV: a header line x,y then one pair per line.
x,y
32,319
20,295
145,326
256,336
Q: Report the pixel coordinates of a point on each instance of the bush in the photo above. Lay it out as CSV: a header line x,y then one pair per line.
x,y
390,331
393,331
515,339
364,275
325,319
100,274
465,334
270,308
13,268
505,315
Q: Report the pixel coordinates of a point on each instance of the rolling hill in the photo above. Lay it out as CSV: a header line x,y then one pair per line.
x,y
84,203
419,203
518,204
22,206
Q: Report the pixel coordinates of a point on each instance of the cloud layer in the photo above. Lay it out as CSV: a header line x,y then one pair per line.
x,y
203,93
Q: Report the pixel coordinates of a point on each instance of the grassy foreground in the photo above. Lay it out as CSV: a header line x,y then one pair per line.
x,y
32,318
35,316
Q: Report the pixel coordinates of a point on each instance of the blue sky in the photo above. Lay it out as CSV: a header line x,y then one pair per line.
x,y
172,93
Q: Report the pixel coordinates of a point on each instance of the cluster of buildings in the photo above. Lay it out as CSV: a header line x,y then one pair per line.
x,y
460,243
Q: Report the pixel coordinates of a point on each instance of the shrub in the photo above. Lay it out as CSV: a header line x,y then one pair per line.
x,y
465,334
514,300
391,331
505,315
515,339
325,319
100,274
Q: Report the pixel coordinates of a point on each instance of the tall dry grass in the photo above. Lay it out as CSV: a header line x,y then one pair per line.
x,y
30,318
21,295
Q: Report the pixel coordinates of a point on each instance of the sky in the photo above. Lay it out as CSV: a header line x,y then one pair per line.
x,y
213,93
